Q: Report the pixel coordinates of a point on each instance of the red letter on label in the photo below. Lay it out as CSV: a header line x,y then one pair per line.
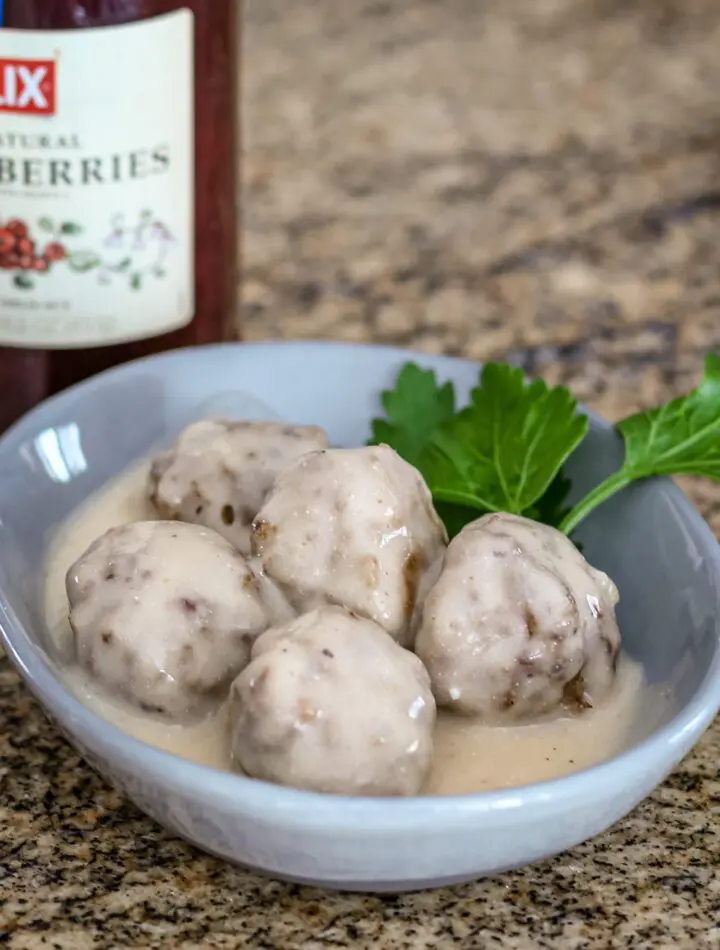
x,y
27,86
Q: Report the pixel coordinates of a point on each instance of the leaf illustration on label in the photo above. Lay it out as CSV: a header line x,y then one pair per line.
x,y
71,227
136,282
159,271
82,261
120,267
23,281
46,224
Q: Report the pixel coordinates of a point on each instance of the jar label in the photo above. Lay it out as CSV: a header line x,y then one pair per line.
x,y
96,183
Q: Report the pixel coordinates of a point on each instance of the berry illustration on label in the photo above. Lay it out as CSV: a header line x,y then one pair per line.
x,y
132,252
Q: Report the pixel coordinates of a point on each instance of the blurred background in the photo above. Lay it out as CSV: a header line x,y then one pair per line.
x,y
533,180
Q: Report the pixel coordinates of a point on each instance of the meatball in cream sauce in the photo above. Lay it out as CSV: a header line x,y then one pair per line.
x,y
164,614
518,623
354,528
219,472
331,703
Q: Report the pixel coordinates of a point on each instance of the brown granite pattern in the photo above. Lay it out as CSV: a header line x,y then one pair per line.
x,y
536,180
81,868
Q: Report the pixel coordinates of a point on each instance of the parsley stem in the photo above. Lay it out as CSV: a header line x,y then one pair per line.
x,y
611,486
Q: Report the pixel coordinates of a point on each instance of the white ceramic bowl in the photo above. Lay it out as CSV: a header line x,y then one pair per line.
x,y
650,539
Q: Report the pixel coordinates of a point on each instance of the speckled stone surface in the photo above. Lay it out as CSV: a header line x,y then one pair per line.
x,y
536,180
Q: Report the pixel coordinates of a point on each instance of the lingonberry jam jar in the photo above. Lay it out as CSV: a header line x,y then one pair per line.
x,y
118,185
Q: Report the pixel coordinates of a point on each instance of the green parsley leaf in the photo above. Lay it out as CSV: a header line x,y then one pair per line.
x,y
680,438
505,449
415,408
552,507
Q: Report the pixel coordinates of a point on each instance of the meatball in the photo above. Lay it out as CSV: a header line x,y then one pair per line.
x,y
331,703
351,527
518,623
164,615
220,471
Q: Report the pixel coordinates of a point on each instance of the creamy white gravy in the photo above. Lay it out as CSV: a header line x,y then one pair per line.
x,y
469,756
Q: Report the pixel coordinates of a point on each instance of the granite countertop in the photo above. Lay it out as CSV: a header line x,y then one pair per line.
x,y
536,180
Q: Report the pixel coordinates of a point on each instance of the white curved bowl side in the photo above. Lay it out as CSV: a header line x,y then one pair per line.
x,y
654,543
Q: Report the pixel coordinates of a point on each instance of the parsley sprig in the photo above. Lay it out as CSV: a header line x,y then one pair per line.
x,y
506,449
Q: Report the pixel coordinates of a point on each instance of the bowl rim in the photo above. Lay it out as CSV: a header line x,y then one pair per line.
x,y
661,750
